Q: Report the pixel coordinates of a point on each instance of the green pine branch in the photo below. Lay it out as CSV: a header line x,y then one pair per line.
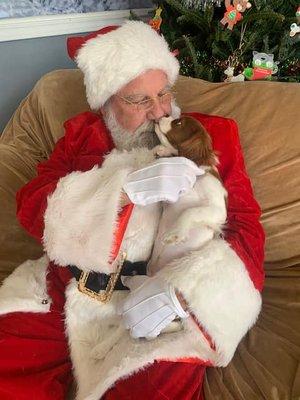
x,y
206,46
196,19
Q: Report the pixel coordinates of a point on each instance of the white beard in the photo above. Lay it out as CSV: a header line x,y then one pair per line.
x,y
143,136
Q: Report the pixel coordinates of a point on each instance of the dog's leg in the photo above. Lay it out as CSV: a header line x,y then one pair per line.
x,y
209,216
163,151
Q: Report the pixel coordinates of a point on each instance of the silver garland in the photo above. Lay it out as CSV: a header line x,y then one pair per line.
x,y
27,8
201,4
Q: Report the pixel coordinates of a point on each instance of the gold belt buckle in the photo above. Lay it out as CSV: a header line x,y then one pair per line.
x,y
104,295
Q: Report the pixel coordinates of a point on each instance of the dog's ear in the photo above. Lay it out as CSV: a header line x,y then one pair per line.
x,y
198,148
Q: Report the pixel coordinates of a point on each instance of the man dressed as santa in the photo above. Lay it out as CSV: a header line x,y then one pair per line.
x,y
87,307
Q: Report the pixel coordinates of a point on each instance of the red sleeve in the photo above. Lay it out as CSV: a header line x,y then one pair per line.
x,y
32,198
80,149
243,229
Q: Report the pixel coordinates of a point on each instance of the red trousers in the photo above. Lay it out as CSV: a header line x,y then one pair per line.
x,y
35,362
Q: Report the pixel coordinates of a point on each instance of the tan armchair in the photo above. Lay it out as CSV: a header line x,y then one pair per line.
x,y
266,365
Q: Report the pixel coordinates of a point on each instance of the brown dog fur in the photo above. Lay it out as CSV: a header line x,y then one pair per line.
x,y
192,141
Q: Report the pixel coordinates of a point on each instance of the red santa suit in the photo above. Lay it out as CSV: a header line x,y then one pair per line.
x,y
45,318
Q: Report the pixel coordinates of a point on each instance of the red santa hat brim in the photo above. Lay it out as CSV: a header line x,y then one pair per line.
x,y
113,56
74,43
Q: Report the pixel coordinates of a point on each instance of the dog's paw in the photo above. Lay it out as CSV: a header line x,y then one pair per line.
x,y
175,236
162,151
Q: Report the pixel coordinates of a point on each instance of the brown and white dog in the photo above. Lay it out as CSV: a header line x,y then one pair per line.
x,y
200,214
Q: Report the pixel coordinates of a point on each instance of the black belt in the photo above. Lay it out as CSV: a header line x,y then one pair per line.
x,y
97,281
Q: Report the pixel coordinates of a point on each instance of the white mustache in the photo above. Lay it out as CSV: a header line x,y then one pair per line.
x,y
143,136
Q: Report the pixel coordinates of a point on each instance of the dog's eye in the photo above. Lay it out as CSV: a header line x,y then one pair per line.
x,y
177,122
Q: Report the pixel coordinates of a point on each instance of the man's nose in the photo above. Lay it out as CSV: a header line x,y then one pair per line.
x,y
157,111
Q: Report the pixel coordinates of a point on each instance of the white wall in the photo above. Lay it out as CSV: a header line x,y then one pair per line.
x,y
24,61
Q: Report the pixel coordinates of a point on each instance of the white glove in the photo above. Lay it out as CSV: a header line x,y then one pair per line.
x,y
166,179
151,305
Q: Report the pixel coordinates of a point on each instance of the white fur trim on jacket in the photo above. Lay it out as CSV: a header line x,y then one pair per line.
x,y
102,351
216,285
82,212
110,61
25,288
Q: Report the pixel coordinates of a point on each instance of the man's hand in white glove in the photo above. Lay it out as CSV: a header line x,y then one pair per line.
x,y
166,179
151,305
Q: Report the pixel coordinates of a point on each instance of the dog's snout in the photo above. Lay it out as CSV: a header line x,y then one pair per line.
x,y
165,124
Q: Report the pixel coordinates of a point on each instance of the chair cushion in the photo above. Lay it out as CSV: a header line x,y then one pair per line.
x,y
266,364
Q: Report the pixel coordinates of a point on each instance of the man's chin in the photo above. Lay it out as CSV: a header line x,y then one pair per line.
x,y
145,136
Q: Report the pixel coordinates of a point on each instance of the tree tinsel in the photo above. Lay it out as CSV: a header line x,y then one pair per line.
x,y
207,48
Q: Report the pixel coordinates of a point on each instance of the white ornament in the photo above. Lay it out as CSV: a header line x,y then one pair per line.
x,y
229,72
294,29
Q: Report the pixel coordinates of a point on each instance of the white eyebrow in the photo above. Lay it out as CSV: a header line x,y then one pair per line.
x,y
166,88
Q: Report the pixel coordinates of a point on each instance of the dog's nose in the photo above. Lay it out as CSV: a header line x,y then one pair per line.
x,y
165,124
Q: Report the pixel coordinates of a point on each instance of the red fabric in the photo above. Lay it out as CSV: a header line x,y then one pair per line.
x,y
203,331
122,225
35,362
87,140
161,381
74,43
34,355
243,230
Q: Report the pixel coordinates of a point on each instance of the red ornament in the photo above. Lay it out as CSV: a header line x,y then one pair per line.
x,y
156,21
233,13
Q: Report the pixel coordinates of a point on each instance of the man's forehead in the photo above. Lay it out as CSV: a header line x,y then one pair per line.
x,y
140,92
150,82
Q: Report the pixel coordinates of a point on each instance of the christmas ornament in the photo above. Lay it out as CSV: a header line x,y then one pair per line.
x,y
294,29
156,21
298,14
233,63
263,67
233,13
201,4
229,72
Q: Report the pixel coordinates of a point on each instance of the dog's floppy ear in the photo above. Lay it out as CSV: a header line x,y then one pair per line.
x,y
198,148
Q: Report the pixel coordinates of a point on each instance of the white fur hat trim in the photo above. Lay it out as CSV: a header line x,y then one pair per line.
x,y
112,60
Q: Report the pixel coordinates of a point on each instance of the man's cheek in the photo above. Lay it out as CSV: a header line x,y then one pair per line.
x,y
138,122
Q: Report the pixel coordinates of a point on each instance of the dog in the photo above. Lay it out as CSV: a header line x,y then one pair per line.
x,y
199,215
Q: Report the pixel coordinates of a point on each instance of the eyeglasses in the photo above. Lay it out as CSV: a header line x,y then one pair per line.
x,y
148,103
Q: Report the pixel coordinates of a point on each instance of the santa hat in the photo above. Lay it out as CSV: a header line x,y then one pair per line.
x,y
114,56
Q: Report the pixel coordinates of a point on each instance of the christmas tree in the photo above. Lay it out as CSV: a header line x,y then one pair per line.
x,y
210,36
